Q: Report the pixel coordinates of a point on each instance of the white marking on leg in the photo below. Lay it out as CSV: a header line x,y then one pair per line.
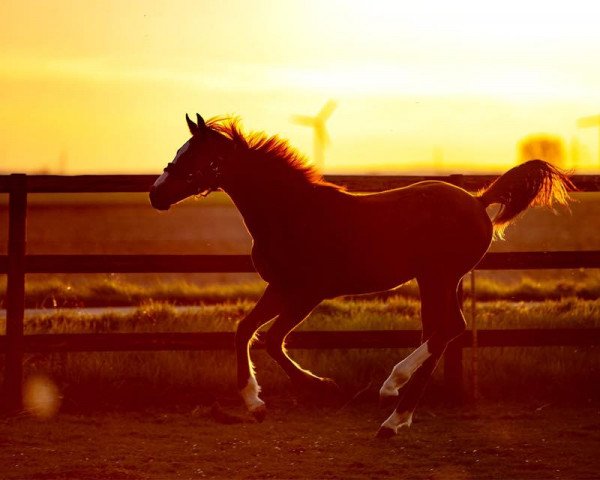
x,y
397,420
402,372
250,395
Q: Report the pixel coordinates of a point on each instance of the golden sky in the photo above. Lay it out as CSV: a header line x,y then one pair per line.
x,y
103,86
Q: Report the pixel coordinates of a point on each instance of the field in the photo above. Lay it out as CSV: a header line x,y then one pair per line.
x,y
138,415
112,381
494,442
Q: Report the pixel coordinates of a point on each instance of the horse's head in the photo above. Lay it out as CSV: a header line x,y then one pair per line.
x,y
195,170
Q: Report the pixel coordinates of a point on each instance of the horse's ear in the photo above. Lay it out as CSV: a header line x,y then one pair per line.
x,y
194,130
200,120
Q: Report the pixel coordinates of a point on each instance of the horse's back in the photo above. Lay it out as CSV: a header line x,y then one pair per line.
x,y
424,208
428,222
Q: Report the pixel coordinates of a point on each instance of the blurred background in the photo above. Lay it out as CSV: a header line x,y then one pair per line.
x,y
420,87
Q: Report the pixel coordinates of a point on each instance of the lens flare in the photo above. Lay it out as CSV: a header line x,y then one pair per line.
x,y
41,397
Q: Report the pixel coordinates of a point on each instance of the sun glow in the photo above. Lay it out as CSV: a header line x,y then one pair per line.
x,y
422,86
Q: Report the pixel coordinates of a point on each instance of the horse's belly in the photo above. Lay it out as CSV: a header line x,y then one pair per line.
x,y
343,273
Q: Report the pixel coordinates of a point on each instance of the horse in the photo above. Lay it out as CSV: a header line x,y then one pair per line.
x,y
313,240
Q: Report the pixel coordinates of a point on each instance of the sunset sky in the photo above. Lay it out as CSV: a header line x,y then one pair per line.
x,y
103,86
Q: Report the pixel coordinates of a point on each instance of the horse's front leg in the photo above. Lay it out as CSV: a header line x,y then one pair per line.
x,y
267,308
290,317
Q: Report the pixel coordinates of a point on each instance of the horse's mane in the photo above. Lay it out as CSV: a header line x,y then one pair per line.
x,y
280,156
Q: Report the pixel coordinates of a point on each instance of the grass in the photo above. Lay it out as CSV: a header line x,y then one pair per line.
x,y
52,292
115,380
113,291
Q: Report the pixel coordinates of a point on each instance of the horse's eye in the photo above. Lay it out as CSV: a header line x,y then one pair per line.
x,y
189,178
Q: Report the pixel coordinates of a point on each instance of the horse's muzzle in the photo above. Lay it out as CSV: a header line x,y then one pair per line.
x,y
155,201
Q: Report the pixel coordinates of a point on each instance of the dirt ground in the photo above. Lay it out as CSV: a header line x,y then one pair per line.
x,y
498,442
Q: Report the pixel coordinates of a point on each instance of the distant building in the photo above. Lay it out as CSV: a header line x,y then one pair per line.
x,y
542,146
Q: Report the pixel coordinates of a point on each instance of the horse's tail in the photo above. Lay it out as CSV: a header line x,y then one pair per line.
x,y
535,182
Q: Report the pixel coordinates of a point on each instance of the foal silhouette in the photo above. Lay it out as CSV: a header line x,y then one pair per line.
x,y
312,240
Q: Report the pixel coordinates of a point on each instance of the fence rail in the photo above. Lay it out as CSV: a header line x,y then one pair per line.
x,y
16,264
309,340
243,263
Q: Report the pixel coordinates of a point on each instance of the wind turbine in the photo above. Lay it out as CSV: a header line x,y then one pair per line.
x,y
320,135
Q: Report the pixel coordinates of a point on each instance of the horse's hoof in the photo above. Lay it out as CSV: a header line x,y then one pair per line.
x,y
221,416
385,433
259,413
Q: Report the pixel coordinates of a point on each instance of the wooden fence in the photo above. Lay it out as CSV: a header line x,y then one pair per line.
x,y
16,264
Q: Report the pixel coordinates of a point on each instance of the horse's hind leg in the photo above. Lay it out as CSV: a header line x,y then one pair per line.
x,y
442,321
266,309
291,316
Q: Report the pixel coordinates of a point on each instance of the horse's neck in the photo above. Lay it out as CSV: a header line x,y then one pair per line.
x,y
265,205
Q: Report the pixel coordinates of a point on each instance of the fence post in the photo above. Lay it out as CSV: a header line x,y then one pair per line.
x,y
12,395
